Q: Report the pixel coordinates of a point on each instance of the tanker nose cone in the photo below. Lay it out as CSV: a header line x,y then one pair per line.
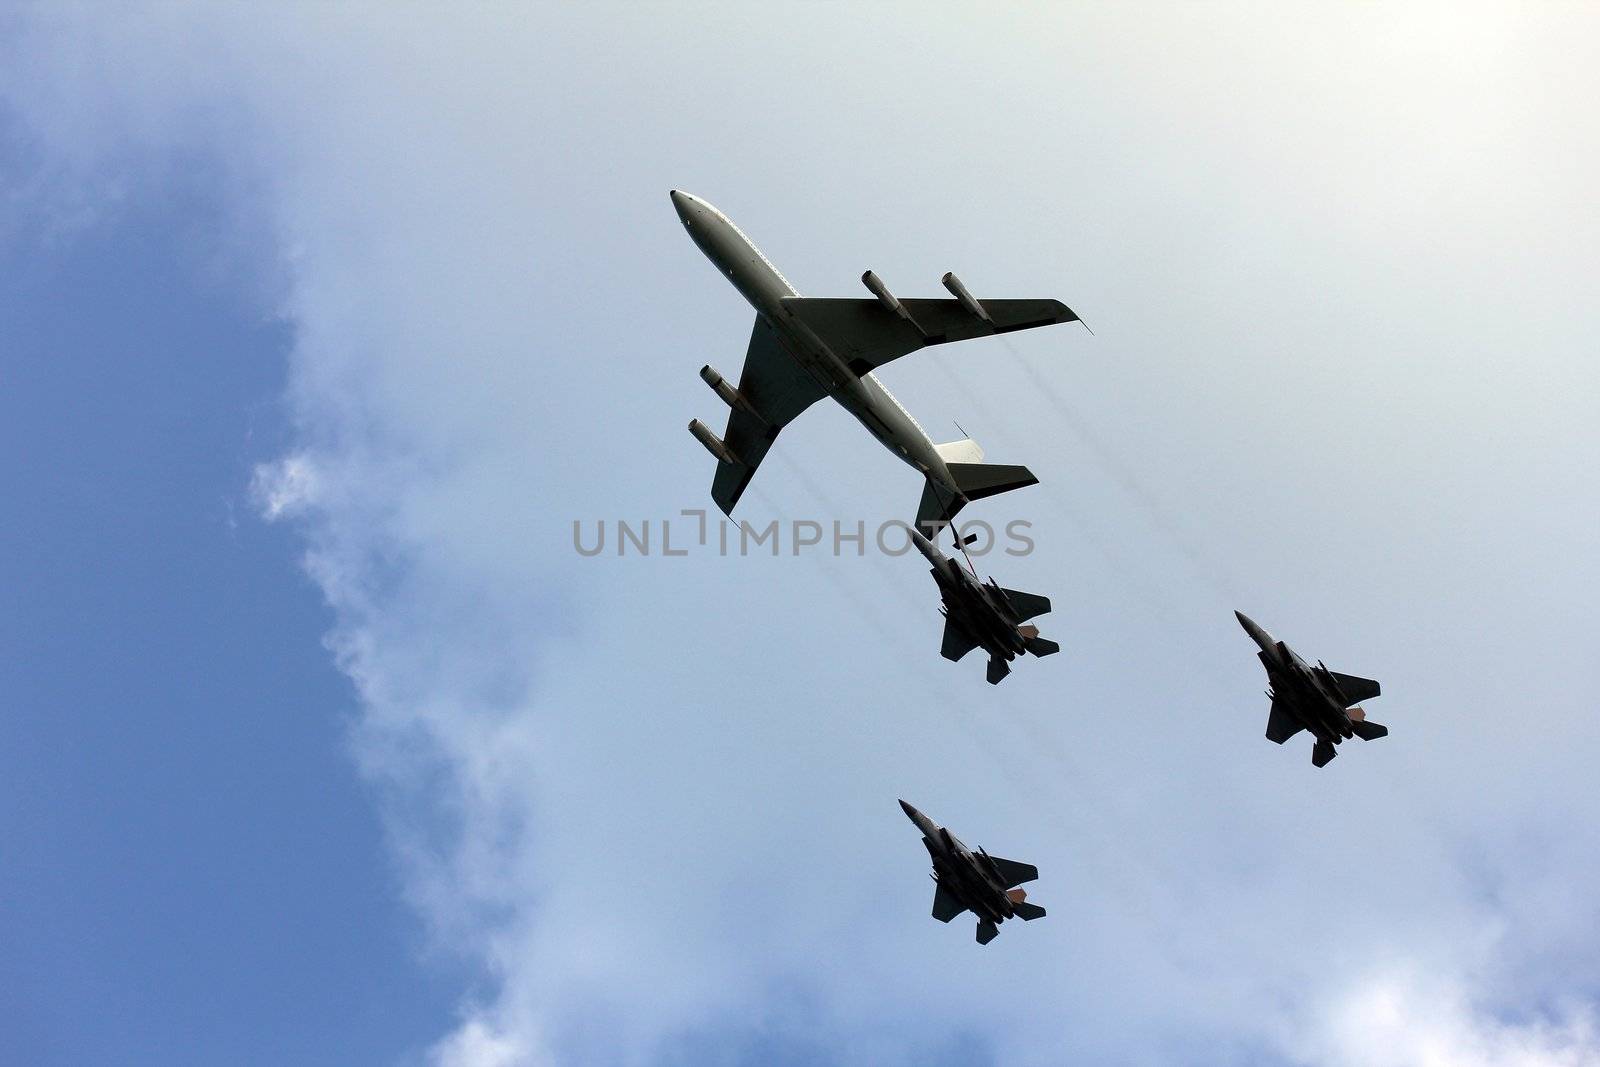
x,y
684,203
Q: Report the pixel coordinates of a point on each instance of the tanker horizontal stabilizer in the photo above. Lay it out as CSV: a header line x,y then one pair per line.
x,y
978,480
939,505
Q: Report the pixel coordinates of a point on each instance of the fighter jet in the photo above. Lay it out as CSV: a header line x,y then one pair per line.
x,y
984,614
975,882
1312,698
803,349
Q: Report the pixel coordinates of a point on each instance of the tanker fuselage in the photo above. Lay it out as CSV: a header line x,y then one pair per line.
x,y
759,282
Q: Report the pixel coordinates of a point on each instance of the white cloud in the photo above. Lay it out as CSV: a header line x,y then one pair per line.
x,y
285,488
655,798
476,1045
1411,1018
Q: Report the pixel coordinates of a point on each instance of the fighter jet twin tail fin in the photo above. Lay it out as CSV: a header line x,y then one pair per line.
x,y
1367,731
1026,605
947,907
1019,904
1354,690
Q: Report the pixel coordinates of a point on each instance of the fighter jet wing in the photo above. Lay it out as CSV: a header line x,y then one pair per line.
x,y
1281,725
1014,873
945,905
779,389
866,335
957,642
1027,605
1355,689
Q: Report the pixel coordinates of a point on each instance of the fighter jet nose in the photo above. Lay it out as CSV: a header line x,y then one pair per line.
x,y
922,544
1257,634
911,812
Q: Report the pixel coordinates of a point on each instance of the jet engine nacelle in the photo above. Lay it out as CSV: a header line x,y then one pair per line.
x,y
730,396
964,298
881,291
713,443
875,285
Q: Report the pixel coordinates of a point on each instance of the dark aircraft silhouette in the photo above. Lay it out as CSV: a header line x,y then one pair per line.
x,y
974,881
1312,698
982,614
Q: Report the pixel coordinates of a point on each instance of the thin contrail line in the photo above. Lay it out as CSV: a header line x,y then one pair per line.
x,y
1209,570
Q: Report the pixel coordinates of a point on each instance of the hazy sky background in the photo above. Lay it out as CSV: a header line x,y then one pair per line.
x,y
323,327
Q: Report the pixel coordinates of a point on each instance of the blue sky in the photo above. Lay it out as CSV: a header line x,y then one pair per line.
x,y
322,745
192,873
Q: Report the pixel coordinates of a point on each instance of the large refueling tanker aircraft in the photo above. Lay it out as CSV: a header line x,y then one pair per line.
x,y
804,348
